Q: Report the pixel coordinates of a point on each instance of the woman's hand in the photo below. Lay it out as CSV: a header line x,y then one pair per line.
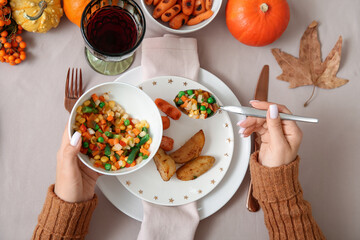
x,y
280,139
74,181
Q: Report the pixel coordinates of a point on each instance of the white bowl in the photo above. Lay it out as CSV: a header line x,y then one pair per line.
x,y
138,105
148,9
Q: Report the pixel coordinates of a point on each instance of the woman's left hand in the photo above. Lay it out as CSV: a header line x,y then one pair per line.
x,y
75,182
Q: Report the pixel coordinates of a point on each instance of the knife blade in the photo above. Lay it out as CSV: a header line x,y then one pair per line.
x,y
261,94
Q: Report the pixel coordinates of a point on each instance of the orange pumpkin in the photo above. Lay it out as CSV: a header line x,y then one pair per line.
x,y
257,22
73,9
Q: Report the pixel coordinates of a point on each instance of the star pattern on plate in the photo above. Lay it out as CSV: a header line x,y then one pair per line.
x,y
226,125
221,169
228,140
220,111
154,83
170,81
185,84
140,87
171,200
140,191
200,191
186,197
226,154
128,183
213,181
156,197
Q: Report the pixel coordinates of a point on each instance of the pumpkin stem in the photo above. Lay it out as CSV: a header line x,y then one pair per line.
x,y
264,7
42,5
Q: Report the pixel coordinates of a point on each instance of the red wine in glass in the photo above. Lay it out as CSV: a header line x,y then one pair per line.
x,y
112,30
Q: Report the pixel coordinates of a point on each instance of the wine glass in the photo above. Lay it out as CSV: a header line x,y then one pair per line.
x,y
112,31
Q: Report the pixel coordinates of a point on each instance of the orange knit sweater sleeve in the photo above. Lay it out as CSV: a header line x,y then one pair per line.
x,y
287,215
63,220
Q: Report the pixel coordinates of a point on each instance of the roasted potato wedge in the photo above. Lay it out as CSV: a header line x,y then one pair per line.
x,y
164,164
191,149
195,168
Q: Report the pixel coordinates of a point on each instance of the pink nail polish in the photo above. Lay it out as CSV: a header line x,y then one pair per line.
x,y
274,111
252,101
241,130
239,122
75,139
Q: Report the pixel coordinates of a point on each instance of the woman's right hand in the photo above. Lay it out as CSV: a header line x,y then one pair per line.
x,y
280,139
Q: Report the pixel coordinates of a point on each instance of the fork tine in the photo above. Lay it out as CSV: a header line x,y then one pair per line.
x,y
67,84
80,84
76,84
72,83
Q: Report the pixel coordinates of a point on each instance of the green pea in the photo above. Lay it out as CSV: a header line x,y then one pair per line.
x,y
141,154
145,156
181,93
100,139
87,109
85,144
210,100
100,131
208,111
101,104
107,166
96,127
202,108
127,122
109,134
190,92
180,102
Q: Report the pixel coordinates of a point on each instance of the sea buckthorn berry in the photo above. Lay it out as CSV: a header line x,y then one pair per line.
x,y
22,44
7,45
18,39
3,2
4,33
3,40
18,60
2,23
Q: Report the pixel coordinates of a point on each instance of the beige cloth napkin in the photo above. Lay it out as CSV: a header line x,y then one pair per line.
x,y
169,56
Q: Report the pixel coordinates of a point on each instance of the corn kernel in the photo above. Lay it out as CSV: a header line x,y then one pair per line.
x,y
97,157
129,127
82,120
96,120
78,117
112,158
86,103
111,104
122,127
104,159
78,110
113,168
137,125
124,140
149,141
122,163
147,125
196,112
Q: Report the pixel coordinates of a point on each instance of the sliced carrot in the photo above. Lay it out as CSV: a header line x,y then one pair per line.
x,y
144,151
101,146
101,98
116,141
111,142
136,131
110,118
117,165
94,153
183,98
146,146
94,97
133,164
103,121
86,135
122,158
136,140
117,130
119,152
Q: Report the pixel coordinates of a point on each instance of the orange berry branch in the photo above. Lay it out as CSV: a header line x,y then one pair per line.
x,y
12,46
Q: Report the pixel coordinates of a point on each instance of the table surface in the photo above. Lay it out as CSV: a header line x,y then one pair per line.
x,y
33,118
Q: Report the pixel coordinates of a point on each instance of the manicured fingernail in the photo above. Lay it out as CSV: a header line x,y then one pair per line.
x,y
75,139
274,112
240,122
252,101
241,131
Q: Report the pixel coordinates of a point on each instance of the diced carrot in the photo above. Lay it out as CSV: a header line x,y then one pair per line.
x,y
122,143
119,152
146,146
144,151
97,165
206,95
86,135
117,165
133,164
176,99
116,141
101,146
106,139
185,103
101,98
94,153
94,97
136,131
117,130
122,158
103,122
111,142
83,150
136,140
127,165
110,118
183,98
92,147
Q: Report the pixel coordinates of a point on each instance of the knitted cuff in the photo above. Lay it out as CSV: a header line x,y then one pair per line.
x,y
274,184
64,219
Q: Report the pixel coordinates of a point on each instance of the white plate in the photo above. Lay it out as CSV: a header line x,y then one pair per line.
x,y
147,184
211,203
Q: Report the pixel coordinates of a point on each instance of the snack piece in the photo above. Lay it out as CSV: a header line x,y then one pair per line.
x,y
155,2
195,168
165,122
188,6
162,7
201,17
166,107
208,4
191,149
164,164
148,2
178,21
171,13
199,7
167,143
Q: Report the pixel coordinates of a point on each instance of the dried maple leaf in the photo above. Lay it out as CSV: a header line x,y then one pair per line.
x,y
308,69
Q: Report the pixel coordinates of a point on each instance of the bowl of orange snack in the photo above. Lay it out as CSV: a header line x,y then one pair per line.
x,y
120,125
181,16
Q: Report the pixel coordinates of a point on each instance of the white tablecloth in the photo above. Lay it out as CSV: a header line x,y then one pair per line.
x,y
33,118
